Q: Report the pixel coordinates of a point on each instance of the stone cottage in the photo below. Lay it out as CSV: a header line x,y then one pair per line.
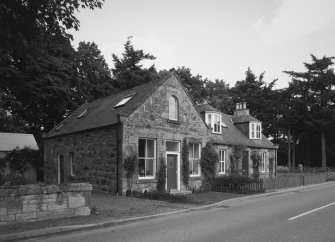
x,y
149,121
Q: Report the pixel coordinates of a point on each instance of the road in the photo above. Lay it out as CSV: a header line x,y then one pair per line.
x,y
304,215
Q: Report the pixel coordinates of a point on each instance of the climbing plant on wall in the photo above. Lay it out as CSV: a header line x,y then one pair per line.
x,y
185,160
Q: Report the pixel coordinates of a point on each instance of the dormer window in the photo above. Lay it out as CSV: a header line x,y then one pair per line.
x,y
255,130
213,120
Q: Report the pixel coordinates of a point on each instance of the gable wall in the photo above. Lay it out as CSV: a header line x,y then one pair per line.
x,y
150,120
95,157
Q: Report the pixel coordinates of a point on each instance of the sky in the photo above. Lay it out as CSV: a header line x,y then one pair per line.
x,y
218,39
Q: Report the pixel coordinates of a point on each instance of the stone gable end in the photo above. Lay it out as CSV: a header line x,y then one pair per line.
x,y
154,112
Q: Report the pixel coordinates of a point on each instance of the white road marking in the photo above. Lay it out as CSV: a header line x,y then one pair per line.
x,y
311,211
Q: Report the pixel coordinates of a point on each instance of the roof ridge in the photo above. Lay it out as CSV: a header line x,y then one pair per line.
x,y
127,90
4,133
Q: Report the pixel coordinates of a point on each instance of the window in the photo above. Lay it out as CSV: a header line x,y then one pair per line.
x,y
173,108
59,126
82,114
263,162
213,120
124,100
255,131
194,159
71,163
60,168
146,158
222,156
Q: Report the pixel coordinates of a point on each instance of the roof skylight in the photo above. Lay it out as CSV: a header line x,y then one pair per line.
x,y
82,114
124,100
59,126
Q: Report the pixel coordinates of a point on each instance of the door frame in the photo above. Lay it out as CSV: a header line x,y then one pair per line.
x,y
178,167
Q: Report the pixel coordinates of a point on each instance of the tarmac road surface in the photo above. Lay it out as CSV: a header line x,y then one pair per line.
x,y
303,215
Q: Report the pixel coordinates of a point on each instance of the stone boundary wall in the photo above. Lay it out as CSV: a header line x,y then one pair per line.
x,y
41,202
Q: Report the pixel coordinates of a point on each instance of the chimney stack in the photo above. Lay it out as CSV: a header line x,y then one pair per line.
x,y
241,109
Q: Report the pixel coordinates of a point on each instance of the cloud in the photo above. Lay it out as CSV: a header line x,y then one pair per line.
x,y
295,19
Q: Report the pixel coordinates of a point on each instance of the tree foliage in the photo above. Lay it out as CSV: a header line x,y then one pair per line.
x,y
37,61
236,160
256,162
185,160
20,160
161,181
128,71
209,158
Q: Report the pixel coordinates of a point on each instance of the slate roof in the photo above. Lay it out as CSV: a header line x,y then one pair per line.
x,y
9,141
206,107
244,119
102,112
232,135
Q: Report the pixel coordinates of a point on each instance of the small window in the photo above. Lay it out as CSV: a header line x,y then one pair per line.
x,y
71,163
255,131
124,101
82,114
263,162
173,108
146,158
194,159
222,157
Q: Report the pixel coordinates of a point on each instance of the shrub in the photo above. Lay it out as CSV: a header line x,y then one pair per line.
x,y
129,167
236,160
20,160
161,182
185,160
209,158
256,162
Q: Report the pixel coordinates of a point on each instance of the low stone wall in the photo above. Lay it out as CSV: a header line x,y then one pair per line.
x,y
42,202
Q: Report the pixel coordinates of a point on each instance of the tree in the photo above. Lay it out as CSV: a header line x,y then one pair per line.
x,y
185,160
128,72
261,99
315,88
37,61
94,76
195,85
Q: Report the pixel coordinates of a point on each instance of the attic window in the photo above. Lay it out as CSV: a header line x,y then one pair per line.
x,y
124,100
82,114
59,126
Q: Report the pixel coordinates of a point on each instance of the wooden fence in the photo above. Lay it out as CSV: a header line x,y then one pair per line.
x,y
294,180
238,185
249,185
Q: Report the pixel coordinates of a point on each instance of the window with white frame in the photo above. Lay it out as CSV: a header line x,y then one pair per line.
x,y
194,159
222,161
173,108
71,163
255,130
213,120
263,162
146,158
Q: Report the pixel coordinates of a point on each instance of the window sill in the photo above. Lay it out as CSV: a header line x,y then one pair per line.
x,y
216,133
173,121
146,180
197,177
